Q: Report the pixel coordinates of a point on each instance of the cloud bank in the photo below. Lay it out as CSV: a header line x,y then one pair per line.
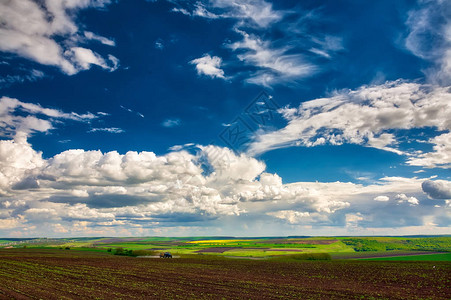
x,y
143,190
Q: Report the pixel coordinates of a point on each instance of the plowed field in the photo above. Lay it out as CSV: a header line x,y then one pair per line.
x,y
62,274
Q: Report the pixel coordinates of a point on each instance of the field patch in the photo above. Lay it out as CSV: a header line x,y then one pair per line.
x,y
421,257
383,254
216,249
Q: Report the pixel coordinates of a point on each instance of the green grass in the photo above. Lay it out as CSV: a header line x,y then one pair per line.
x,y
424,257
398,243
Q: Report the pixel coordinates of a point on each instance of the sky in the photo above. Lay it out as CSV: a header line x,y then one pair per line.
x,y
225,118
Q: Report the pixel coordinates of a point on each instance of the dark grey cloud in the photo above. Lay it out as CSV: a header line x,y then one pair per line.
x,y
438,189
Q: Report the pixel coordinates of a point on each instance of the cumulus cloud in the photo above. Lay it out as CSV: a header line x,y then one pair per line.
x,y
368,116
402,198
209,66
47,33
17,161
437,189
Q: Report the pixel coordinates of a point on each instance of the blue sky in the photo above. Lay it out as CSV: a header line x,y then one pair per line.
x,y
216,117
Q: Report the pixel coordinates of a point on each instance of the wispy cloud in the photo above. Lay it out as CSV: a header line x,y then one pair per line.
x,y
25,118
430,38
159,44
92,36
258,13
327,45
261,57
171,123
30,76
274,64
132,111
107,129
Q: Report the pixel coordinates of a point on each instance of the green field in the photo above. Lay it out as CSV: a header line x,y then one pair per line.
x,y
267,247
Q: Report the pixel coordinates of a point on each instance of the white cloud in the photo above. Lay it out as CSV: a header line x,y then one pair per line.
x,y
209,66
48,33
364,116
382,198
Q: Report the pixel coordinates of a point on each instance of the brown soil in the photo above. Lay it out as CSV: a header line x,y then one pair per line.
x,y
58,274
